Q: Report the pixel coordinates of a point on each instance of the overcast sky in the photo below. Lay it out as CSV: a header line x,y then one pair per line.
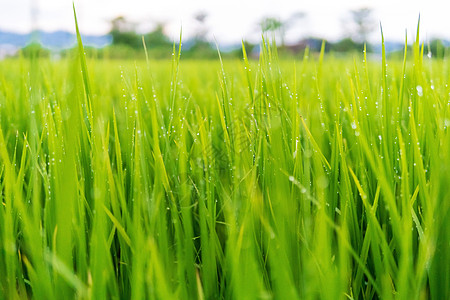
x,y
229,20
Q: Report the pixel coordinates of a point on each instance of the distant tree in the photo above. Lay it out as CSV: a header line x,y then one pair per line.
x,y
202,29
199,46
35,50
157,38
200,50
158,43
347,45
274,26
121,24
278,26
271,24
123,33
361,24
436,49
201,16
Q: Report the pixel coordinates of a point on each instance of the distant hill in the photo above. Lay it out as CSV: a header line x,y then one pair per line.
x,y
56,40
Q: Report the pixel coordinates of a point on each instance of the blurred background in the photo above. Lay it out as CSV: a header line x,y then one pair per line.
x,y
115,28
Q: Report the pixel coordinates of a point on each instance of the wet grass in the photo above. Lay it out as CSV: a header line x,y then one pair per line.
x,y
319,178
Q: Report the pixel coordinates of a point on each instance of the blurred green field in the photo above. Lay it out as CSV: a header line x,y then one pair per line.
x,y
316,178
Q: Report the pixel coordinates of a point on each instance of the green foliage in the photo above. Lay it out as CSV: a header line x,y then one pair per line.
x,y
158,39
35,50
270,24
130,39
317,178
200,49
347,45
437,49
123,33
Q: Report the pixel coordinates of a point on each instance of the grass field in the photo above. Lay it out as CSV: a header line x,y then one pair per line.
x,y
319,178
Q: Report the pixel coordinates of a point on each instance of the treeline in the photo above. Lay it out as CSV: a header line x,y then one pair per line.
x,y
128,43
160,47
